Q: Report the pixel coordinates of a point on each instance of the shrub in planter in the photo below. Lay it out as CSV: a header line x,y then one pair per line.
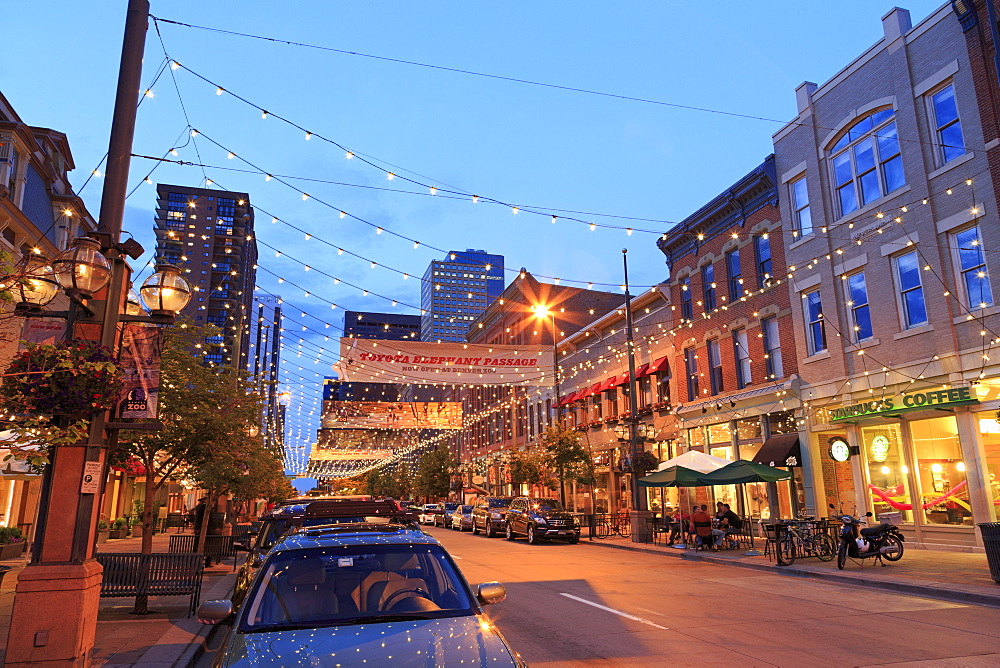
x,y
103,531
119,528
12,542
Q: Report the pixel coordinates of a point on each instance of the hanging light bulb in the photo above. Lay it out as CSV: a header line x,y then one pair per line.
x,y
82,269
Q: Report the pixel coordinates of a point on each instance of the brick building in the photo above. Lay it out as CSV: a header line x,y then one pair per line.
x,y
734,350
885,177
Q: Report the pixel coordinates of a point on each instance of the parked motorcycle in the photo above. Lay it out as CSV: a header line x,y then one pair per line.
x,y
884,541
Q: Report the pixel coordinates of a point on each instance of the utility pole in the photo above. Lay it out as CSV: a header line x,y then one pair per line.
x,y
639,513
54,617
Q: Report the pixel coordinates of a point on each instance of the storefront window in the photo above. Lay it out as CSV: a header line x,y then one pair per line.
x,y
782,423
887,471
720,433
941,471
989,429
748,428
696,438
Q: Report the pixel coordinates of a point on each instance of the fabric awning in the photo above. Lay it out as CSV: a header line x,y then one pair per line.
x,y
780,450
566,399
608,384
621,380
656,367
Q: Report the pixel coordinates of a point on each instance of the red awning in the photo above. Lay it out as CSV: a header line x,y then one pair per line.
x,y
567,399
609,383
658,366
641,371
621,380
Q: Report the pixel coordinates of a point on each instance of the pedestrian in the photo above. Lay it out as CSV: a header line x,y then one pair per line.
x,y
701,526
199,513
731,525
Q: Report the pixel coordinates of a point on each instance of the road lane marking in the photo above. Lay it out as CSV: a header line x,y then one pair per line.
x,y
455,556
617,612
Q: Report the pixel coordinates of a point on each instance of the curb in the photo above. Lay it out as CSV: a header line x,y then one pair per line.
x,y
934,590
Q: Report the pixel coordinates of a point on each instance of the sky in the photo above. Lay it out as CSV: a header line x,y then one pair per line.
x,y
690,95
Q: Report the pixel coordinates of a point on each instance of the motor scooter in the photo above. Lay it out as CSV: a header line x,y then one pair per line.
x,y
884,541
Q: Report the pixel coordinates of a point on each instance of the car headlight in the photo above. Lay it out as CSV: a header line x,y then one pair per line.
x,y
540,520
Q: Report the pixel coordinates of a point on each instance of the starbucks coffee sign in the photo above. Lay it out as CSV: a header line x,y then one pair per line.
x,y
956,396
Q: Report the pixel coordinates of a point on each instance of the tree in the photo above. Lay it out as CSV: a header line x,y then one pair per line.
x,y
434,473
528,468
568,456
207,413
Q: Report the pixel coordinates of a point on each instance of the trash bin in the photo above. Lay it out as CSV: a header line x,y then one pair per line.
x,y
991,541
215,522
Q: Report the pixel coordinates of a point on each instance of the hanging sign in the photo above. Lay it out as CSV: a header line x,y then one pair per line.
x,y
375,361
840,451
956,396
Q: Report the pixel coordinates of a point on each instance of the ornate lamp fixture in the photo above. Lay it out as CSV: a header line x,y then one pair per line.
x,y
82,269
36,282
166,292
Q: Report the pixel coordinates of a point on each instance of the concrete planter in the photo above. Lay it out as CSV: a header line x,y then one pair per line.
x,y
12,550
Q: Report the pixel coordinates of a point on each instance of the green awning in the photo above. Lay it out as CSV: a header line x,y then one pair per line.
x,y
674,476
742,471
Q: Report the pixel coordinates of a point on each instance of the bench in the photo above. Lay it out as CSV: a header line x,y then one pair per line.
x,y
158,574
215,548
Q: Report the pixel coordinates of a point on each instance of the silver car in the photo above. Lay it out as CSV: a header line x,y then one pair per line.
x,y
382,595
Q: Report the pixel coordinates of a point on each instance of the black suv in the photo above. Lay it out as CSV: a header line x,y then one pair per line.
x,y
488,514
540,519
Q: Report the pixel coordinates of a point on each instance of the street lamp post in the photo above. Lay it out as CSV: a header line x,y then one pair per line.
x,y
639,511
54,616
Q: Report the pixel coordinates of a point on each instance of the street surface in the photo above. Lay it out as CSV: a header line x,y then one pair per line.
x,y
581,604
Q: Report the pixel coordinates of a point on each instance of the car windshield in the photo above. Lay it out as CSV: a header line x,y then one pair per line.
x,y
466,510
545,504
336,586
450,506
499,503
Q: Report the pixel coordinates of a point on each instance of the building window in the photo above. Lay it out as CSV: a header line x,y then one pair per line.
x,y
866,161
715,366
800,202
691,371
762,249
708,286
735,274
972,264
742,354
772,347
949,126
815,331
687,310
911,292
857,301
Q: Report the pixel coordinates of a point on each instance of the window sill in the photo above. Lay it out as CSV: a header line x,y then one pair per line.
x,y
825,355
868,208
906,333
951,165
977,313
861,345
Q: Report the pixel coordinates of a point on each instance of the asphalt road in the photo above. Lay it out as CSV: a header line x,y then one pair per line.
x,y
570,605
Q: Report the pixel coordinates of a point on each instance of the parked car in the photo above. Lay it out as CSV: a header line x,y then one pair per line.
x,y
444,519
279,521
461,519
488,514
539,519
376,594
428,511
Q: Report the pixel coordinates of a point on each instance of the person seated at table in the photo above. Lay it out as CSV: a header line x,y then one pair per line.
x,y
679,521
731,526
701,526
717,530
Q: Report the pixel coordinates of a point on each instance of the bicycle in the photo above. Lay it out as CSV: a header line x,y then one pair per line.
x,y
614,523
801,540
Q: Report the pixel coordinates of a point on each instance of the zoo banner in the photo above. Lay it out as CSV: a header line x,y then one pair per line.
x,y
426,363
140,363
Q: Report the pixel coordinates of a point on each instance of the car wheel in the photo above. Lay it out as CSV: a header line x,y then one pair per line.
x,y
510,532
490,532
475,528
533,538
574,540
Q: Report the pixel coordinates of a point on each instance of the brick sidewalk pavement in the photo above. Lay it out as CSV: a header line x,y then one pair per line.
x,y
165,637
955,576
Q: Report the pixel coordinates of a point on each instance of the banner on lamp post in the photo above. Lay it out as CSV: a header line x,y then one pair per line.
x,y
140,364
424,363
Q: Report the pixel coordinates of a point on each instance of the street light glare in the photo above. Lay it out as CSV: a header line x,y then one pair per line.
x,y
541,310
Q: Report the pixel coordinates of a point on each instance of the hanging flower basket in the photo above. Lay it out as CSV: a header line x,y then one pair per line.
x,y
72,378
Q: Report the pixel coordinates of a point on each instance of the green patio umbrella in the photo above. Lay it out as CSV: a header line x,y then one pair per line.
x,y
673,476
742,471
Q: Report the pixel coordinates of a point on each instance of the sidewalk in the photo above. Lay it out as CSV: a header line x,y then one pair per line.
x,y
953,576
165,637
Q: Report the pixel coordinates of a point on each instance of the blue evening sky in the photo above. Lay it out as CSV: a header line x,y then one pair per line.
x,y
616,161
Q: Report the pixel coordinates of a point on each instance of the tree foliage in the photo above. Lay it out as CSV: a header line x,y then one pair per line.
x,y
568,455
395,482
434,473
528,468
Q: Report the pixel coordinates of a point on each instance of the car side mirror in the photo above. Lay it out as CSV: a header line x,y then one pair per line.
x,y
213,612
868,514
491,592
240,546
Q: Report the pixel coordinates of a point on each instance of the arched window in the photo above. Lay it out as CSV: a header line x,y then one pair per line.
x,y
866,161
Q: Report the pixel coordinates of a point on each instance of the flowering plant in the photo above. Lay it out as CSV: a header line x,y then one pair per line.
x,y
10,535
78,378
